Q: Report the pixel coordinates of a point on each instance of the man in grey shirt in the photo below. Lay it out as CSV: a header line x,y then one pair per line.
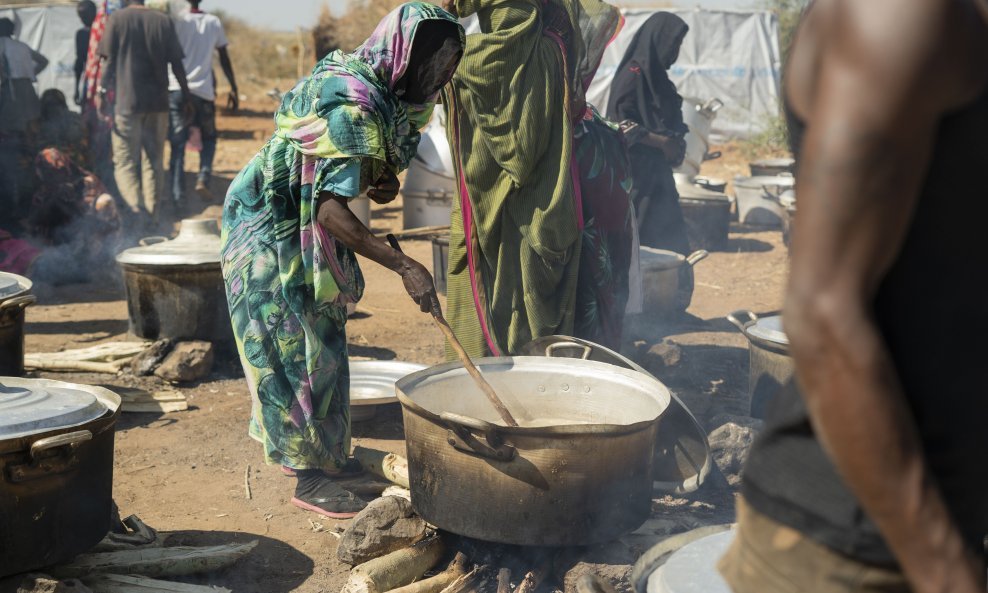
x,y
138,45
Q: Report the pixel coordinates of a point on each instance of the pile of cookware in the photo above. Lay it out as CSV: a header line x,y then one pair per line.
x,y
15,297
56,455
175,287
770,365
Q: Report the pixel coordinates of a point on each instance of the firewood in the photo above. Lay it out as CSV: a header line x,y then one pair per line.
x,y
115,583
456,569
389,466
591,583
535,576
504,580
471,582
155,562
396,569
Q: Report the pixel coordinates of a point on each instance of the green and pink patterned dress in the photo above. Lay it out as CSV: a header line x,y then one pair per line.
x,y
288,281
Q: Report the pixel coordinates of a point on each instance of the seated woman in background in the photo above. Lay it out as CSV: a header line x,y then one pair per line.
x,y
62,129
649,107
290,241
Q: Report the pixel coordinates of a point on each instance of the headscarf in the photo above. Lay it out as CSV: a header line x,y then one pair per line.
x,y
642,91
348,107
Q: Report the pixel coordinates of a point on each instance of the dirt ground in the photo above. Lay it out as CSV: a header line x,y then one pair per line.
x,y
184,473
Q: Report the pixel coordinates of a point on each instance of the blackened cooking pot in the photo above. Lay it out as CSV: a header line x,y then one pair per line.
x,y
175,288
56,470
770,366
15,297
578,470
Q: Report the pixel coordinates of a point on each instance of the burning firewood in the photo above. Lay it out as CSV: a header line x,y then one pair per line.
x,y
396,569
389,466
471,582
536,576
504,580
457,568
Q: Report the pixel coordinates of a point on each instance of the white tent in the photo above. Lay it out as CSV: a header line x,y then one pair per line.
x,y
729,55
49,29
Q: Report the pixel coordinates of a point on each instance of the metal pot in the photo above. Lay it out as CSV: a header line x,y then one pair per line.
x,y
699,118
682,454
707,215
578,470
15,297
430,183
56,470
788,202
772,167
175,288
668,282
758,199
770,366
440,262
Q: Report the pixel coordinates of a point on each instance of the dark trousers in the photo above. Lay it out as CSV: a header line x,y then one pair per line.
x,y
203,117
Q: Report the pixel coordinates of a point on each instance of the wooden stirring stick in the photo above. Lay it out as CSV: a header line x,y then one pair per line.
x,y
443,325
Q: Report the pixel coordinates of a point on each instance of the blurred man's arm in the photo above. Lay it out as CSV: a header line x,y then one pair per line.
x,y
884,72
227,65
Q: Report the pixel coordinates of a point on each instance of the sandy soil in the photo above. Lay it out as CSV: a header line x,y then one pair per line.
x,y
184,473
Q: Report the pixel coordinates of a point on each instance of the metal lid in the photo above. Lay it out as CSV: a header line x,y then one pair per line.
x,y
788,199
693,568
27,409
781,182
372,382
197,243
768,329
693,191
12,285
660,259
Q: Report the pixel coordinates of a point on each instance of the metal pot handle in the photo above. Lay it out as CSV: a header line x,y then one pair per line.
x,y
550,350
697,257
713,105
21,302
462,439
69,439
152,240
736,317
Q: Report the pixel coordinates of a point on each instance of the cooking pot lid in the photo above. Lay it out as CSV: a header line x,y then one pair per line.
x,y
788,199
660,259
693,568
769,329
372,382
12,284
26,410
197,243
692,191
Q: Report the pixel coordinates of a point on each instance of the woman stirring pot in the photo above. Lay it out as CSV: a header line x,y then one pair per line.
x,y
290,241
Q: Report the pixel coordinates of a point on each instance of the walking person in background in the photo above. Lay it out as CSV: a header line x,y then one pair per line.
x,y
870,475
649,107
200,34
138,45
87,14
19,110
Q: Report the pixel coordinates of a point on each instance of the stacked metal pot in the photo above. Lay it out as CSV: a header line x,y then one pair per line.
x,y
771,366
15,297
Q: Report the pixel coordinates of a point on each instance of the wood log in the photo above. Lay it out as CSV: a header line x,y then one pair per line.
x,y
468,583
389,466
115,583
504,580
591,583
535,577
456,569
396,569
155,562
73,366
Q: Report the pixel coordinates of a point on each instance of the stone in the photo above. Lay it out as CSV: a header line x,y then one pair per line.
x,y
386,525
145,363
664,355
730,443
187,362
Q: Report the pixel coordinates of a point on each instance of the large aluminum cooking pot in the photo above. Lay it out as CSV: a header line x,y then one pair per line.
x,y
175,288
577,471
682,454
758,199
15,297
770,366
667,279
699,118
56,470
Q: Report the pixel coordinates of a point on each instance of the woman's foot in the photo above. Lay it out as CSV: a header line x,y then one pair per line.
x,y
352,469
317,492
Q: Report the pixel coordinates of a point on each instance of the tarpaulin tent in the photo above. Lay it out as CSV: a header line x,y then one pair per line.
x,y
50,29
729,55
